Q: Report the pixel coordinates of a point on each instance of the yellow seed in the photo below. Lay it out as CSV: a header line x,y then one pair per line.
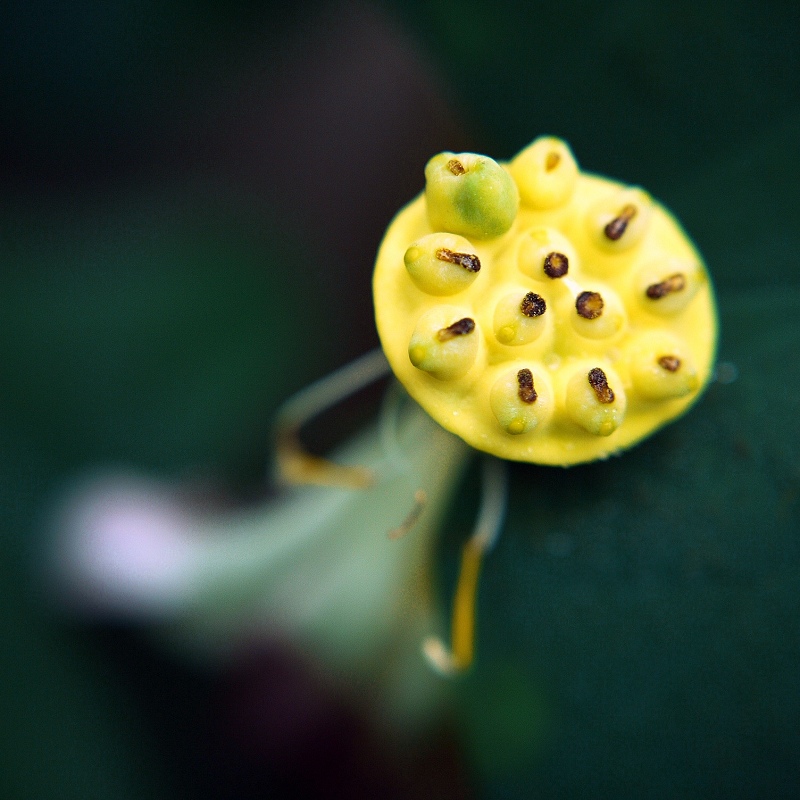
x,y
598,314
661,367
620,219
444,343
595,399
469,194
442,263
545,254
521,398
512,326
546,173
666,285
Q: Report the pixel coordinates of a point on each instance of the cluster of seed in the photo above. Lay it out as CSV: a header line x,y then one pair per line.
x,y
541,313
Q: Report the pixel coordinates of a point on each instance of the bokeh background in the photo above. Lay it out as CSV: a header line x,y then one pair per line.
x,y
181,183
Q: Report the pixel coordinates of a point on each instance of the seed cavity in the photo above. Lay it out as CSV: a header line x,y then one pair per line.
x,y
470,262
526,392
599,382
589,305
533,305
670,363
455,166
552,161
460,328
674,283
619,224
556,265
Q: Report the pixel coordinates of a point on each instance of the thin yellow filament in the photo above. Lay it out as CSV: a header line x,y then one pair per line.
x,y
293,464
296,466
463,625
488,526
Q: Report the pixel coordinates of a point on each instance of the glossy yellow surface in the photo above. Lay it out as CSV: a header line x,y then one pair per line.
x,y
588,323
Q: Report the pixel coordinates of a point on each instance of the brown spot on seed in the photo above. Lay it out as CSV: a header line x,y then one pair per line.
x,y
619,224
455,166
470,262
533,305
599,382
460,328
589,305
556,265
551,162
674,283
670,363
526,392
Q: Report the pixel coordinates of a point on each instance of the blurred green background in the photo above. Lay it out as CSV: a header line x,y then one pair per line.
x,y
180,182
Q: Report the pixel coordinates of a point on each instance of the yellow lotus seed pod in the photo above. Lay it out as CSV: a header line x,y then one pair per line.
x,y
444,343
521,399
595,399
442,263
602,301
546,173
469,194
